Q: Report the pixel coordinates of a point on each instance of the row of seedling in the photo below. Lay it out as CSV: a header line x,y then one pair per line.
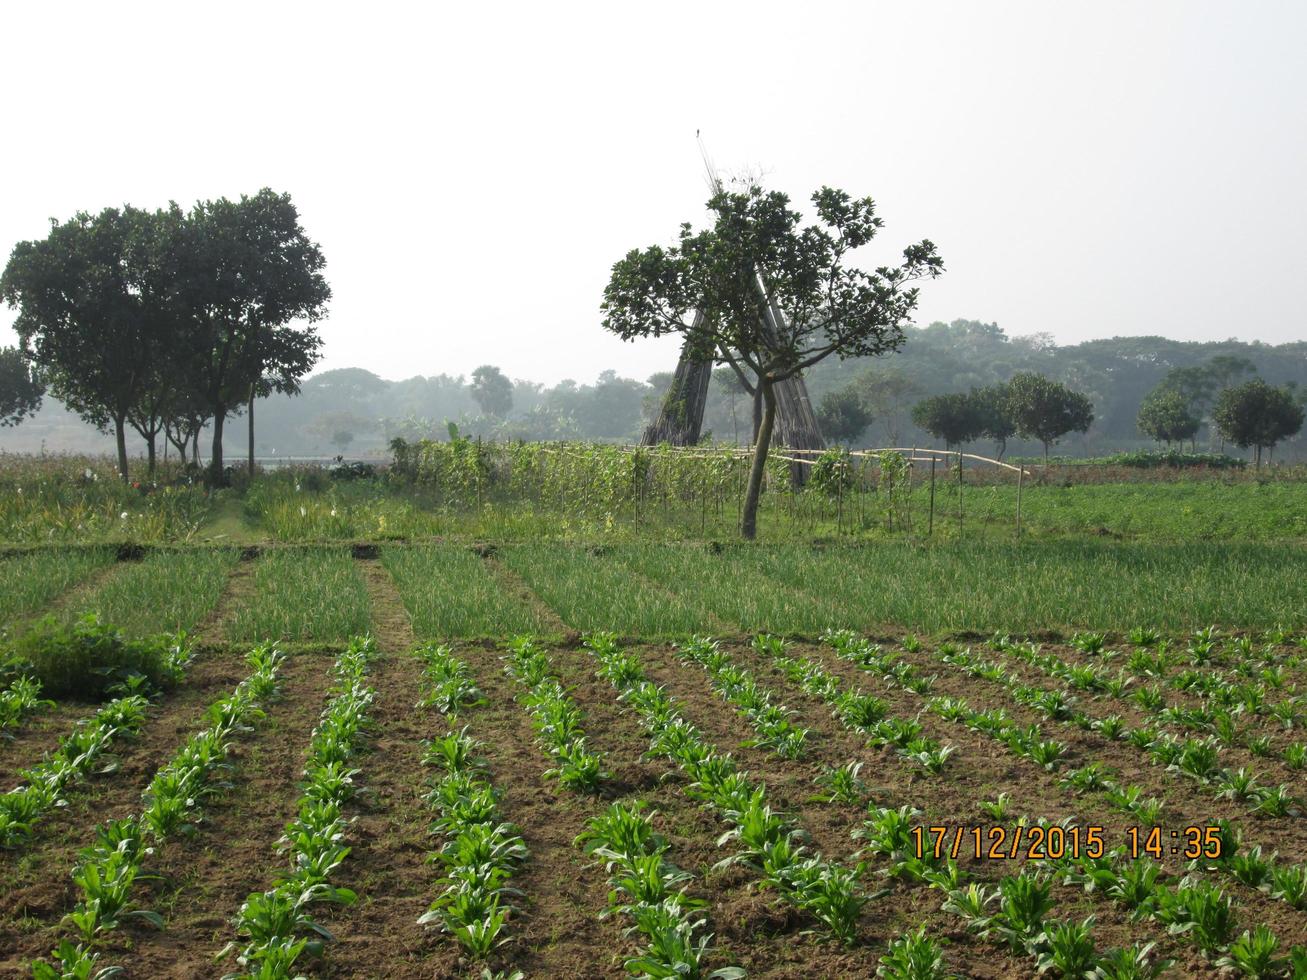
x,y
769,720
1287,883
480,851
767,842
859,712
1195,758
83,751
651,892
1014,910
1222,706
20,699
555,717
275,927
107,870
1193,908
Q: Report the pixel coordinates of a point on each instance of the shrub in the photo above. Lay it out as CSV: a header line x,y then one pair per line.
x,y
90,658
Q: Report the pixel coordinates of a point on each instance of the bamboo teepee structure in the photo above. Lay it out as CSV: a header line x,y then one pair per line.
x,y
680,419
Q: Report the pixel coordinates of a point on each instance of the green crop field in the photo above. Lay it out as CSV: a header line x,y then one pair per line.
x,y
612,740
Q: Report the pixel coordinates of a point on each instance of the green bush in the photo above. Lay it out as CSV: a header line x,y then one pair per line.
x,y
90,658
1145,460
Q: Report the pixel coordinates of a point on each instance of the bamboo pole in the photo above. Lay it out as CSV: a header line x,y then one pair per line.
x,y
1020,474
930,524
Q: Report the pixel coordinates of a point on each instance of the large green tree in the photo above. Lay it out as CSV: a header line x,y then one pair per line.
x,y
21,389
776,297
93,313
1046,410
1257,415
249,289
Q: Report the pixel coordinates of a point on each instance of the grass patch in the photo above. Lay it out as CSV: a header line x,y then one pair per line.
x,y
985,586
591,591
168,591
719,585
449,593
32,580
303,595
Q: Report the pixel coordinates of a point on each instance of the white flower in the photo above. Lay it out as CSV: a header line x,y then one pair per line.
x,y
123,516
303,512
89,474
297,488
333,512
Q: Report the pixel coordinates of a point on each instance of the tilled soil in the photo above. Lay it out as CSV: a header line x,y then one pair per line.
x,y
559,927
36,878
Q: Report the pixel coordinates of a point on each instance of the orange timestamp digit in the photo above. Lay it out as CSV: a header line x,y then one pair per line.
x,y
998,843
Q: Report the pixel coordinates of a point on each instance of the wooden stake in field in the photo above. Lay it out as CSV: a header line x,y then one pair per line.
x,y
930,523
1020,473
959,493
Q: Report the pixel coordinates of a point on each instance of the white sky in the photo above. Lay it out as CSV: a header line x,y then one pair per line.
x,y
1086,168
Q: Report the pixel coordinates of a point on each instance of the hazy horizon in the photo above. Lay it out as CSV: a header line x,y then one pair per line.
x,y
1086,171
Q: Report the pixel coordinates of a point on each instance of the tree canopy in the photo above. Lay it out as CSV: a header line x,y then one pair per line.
x,y
164,319
492,390
21,390
1167,416
1254,414
1046,410
773,297
955,418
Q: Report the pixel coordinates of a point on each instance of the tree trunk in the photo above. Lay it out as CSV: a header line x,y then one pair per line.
x,y
749,519
215,464
150,451
1045,457
120,433
757,412
251,432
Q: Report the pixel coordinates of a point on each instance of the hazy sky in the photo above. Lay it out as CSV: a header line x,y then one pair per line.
x,y
1087,169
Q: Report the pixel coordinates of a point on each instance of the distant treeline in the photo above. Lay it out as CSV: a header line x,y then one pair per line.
x,y
351,411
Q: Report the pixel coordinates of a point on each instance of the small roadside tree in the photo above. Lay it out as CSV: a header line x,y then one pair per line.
x,y
21,389
775,297
1257,415
953,417
1165,415
492,391
1046,410
842,415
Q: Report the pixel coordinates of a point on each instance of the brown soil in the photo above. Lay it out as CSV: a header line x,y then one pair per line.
x,y
36,735
1037,793
37,879
380,935
755,929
